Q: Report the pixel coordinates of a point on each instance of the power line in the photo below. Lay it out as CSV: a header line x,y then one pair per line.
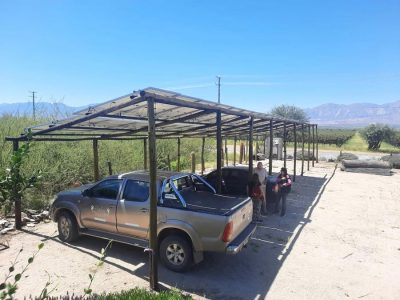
x,y
219,88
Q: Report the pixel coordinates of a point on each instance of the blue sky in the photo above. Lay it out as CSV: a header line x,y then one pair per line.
x,y
268,52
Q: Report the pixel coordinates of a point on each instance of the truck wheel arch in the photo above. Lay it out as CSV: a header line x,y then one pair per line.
x,y
197,255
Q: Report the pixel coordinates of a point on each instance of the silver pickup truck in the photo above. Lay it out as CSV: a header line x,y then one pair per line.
x,y
191,219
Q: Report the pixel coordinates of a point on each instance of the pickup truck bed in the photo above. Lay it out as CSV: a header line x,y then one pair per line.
x,y
211,203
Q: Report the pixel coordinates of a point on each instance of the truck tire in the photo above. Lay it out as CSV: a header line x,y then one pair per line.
x,y
67,227
176,253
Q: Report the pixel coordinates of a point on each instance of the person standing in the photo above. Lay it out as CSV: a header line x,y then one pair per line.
x,y
254,192
284,183
262,177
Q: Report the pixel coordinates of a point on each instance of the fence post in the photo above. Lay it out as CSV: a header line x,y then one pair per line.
x,y
226,151
96,160
178,166
271,145
203,165
241,153
193,156
295,152
153,257
234,151
17,200
169,162
109,168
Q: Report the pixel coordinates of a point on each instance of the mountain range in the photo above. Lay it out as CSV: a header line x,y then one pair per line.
x,y
325,115
355,115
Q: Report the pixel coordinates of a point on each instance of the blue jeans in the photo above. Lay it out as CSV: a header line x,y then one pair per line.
x,y
283,196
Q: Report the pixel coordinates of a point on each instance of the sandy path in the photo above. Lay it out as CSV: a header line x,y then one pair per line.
x,y
344,244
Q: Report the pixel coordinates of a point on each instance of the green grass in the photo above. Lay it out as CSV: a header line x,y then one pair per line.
x,y
356,143
143,294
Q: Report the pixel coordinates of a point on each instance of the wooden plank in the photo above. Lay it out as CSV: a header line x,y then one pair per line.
x,y
89,117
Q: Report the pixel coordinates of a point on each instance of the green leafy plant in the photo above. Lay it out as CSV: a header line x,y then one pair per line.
x,y
103,253
14,182
9,286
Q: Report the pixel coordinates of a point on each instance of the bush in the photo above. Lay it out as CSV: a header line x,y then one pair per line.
x,y
375,134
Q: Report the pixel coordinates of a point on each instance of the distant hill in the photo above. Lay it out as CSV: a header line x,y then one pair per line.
x,y
355,115
327,115
43,109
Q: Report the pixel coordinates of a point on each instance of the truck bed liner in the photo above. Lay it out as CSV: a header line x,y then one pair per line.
x,y
211,203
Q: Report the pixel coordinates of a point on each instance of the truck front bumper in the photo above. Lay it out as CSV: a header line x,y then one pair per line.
x,y
241,240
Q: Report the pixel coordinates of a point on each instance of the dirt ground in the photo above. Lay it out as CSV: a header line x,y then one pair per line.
x,y
340,239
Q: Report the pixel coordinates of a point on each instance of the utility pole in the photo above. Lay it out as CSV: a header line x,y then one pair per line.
x,y
219,88
33,106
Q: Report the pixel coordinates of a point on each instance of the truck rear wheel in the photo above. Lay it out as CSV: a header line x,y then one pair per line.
x,y
176,253
67,227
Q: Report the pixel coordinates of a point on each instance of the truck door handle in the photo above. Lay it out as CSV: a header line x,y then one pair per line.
x,y
144,210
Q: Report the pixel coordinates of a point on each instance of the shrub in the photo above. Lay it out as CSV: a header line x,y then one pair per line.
x,y
375,134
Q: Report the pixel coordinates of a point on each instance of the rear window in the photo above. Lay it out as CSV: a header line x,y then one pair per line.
x,y
136,191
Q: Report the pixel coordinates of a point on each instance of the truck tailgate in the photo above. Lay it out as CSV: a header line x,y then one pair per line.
x,y
241,217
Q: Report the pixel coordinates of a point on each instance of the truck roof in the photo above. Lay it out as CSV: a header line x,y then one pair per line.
x,y
144,175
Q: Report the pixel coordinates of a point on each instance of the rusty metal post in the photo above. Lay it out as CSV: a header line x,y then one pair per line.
x,y
178,165
17,200
271,145
234,150
203,164
251,123
219,153
284,144
145,154
302,149
153,251
96,171
295,153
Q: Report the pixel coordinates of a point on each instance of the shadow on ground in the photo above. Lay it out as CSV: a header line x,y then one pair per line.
x,y
247,275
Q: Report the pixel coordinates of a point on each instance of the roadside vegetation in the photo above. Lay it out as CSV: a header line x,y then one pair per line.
x,y
64,164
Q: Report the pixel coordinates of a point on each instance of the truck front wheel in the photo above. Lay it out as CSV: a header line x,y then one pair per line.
x,y
176,253
67,227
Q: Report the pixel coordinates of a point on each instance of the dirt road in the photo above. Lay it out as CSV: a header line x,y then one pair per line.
x,y
342,243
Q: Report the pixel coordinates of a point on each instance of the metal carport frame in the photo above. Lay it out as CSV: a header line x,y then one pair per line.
x,y
159,114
